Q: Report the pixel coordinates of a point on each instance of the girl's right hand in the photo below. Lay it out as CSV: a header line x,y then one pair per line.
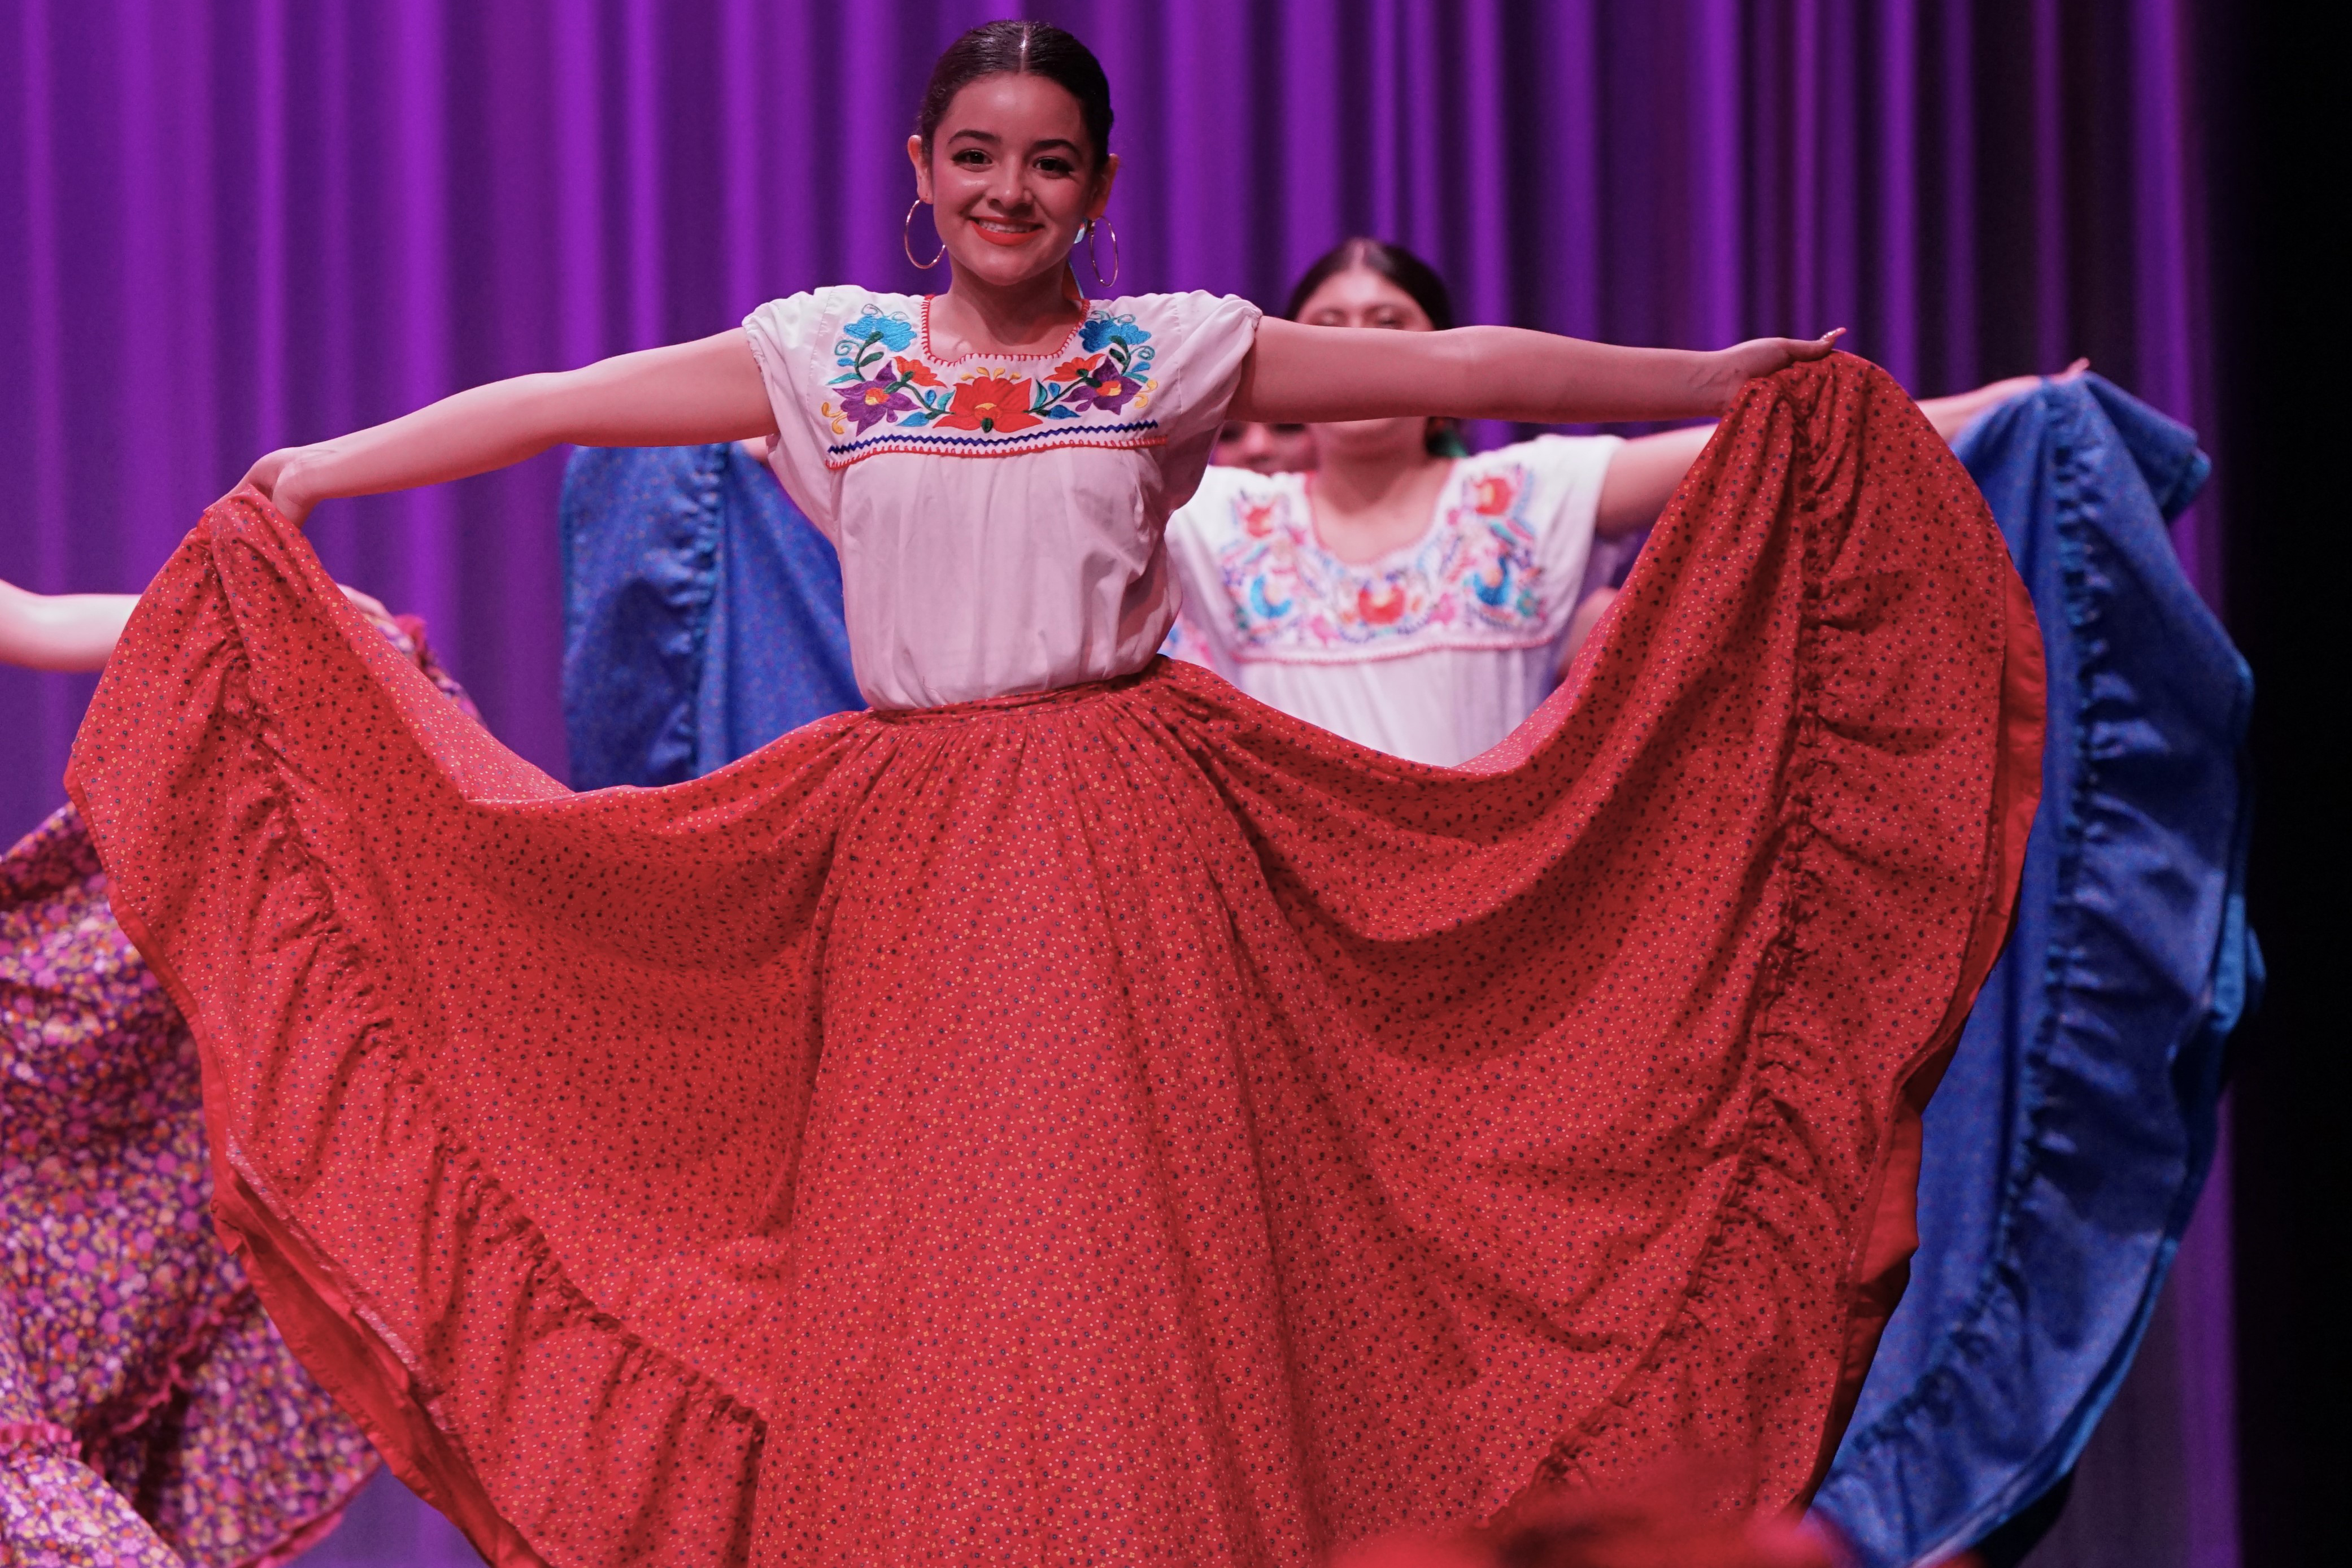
x,y
271,476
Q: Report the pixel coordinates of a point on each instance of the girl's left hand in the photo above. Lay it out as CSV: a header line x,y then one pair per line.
x,y
1736,366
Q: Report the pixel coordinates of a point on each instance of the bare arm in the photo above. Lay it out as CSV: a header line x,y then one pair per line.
x,y
1647,470
1317,374
60,631
78,631
1951,415
1642,478
690,393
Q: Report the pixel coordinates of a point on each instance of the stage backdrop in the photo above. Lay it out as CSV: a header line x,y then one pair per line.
x,y
239,225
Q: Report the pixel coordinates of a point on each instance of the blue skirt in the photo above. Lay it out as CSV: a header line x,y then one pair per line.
x,y
2068,1142
702,614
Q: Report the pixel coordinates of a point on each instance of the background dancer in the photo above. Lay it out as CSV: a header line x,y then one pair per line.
x,y
1405,594
702,613
149,1413
1264,448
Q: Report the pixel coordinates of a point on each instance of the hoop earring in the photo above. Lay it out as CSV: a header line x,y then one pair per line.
x,y
1095,260
906,238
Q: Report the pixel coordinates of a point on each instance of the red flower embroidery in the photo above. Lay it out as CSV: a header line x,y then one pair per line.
x,y
1380,606
1258,518
998,404
1492,496
1071,369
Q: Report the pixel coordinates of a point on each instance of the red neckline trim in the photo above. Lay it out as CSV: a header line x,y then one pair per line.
x,y
933,355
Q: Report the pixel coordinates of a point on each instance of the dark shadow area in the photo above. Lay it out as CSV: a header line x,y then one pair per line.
x,y
2274,92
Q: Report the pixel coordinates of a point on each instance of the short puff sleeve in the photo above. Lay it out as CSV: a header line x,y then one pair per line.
x,y
1210,340
793,341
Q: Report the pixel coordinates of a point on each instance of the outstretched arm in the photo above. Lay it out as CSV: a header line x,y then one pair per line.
x,y
1643,475
1317,374
1950,415
692,393
60,631
78,631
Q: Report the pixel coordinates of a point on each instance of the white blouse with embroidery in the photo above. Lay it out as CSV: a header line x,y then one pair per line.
x,y
1000,516
1434,651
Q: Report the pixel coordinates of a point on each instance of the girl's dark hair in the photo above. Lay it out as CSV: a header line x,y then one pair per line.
x,y
1408,272
1394,262
1020,48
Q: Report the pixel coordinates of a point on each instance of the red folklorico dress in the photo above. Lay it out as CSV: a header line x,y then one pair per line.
x,y
1073,1113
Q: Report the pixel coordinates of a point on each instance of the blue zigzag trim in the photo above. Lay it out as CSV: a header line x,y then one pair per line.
x,y
921,440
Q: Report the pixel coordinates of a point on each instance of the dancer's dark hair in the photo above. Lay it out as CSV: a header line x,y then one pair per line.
x,y
1020,48
1407,271
1394,262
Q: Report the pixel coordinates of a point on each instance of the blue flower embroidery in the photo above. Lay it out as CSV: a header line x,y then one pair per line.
x,y
1259,607
1102,331
896,333
1497,587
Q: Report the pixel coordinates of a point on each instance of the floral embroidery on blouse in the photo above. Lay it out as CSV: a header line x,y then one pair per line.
x,y
889,396
1472,580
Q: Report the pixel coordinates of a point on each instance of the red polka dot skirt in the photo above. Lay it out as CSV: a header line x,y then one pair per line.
x,y
1121,1125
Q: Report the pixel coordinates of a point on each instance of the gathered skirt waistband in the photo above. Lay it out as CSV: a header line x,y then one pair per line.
x,y
1015,702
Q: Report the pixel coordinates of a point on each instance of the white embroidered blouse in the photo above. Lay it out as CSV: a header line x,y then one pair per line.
x,y
1000,516
1434,651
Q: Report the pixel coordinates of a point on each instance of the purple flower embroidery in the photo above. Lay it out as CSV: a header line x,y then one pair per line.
x,y
1111,392
870,403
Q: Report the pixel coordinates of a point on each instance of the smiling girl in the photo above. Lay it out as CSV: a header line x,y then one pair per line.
x,y
1073,1113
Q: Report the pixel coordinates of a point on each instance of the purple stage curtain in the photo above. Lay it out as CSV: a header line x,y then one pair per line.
x,y
244,224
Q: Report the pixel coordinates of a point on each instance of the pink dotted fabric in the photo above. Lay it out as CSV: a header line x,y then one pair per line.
x,y
1118,1125
149,1414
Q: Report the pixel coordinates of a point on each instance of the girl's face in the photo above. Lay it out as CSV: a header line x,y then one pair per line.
x,y
1011,177
1264,448
1360,297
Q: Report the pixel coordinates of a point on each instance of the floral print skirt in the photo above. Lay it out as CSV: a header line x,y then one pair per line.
x,y
149,1413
